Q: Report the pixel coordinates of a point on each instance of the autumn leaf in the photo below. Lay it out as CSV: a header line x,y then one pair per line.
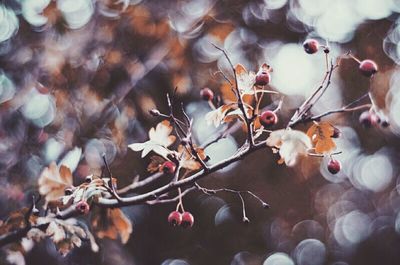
x,y
159,140
16,220
188,161
237,113
245,80
216,117
97,187
66,234
111,223
53,181
155,164
321,137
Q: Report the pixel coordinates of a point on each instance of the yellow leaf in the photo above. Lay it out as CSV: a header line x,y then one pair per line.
x,y
321,137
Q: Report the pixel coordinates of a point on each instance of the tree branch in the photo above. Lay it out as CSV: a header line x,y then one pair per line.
x,y
149,196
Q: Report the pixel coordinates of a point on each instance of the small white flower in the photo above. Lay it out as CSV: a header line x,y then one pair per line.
x,y
160,139
291,143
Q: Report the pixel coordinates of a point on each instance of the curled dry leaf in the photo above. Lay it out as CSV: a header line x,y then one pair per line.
x,y
66,234
159,140
237,113
155,164
53,181
321,137
188,161
245,79
16,220
111,223
88,191
216,117
229,96
291,144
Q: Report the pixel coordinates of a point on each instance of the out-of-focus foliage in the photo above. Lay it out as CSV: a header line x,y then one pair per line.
x,y
78,78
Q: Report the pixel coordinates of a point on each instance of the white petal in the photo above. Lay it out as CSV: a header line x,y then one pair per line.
x,y
161,151
137,146
71,159
147,149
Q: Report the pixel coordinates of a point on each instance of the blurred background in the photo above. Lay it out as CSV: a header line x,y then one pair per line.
x,y
78,77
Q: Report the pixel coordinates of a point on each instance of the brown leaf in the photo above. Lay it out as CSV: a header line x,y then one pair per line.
x,y
155,164
65,234
321,137
227,93
53,181
188,160
111,223
16,220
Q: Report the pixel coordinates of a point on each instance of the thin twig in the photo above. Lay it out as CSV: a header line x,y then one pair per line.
x,y
142,198
240,101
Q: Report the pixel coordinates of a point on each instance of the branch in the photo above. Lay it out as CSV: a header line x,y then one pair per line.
x,y
16,235
298,116
139,184
189,181
240,101
160,200
346,108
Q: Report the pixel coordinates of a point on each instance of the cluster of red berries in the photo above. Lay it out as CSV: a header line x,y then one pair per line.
x,y
369,118
367,67
184,219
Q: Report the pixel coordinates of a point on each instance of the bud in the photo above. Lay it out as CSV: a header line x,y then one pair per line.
x,y
154,112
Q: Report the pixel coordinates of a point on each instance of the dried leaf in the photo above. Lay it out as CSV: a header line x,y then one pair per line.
x,y
246,81
188,160
66,234
53,181
321,137
217,116
155,164
111,223
16,220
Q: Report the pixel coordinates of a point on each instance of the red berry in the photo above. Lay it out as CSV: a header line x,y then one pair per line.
x,y
168,167
334,166
175,218
368,67
187,219
82,207
268,118
311,46
368,119
206,94
263,78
